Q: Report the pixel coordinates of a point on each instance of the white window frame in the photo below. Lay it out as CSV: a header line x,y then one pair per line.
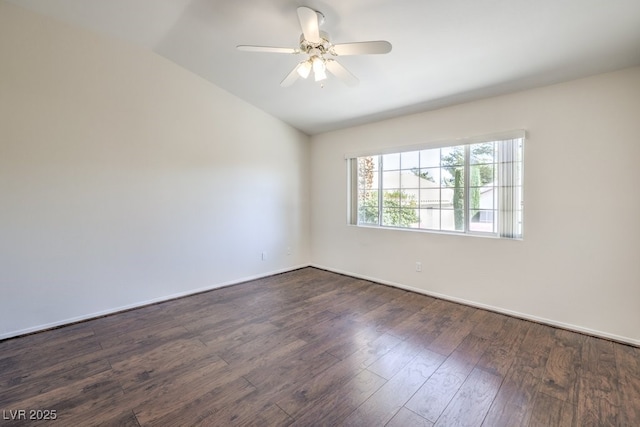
x,y
508,163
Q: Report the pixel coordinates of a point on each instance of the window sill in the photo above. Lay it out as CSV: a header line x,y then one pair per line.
x,y
440,232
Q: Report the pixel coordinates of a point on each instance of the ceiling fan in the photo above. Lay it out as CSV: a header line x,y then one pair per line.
x,y
317,46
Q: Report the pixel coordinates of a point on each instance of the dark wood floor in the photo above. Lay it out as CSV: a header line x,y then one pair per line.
x,y
311,348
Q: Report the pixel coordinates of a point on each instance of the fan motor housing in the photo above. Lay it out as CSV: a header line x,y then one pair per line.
x,y
323,46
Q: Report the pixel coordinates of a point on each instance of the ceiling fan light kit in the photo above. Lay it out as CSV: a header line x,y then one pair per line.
x,y
316,44
304,68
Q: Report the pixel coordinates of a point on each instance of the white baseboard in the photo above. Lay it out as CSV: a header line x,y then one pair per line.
x,y
114,310
524,316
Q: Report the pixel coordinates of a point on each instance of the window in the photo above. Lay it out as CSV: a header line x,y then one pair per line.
x,y
473,188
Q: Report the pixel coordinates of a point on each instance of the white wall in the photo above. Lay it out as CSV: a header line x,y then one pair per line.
x,y
126,179
579,263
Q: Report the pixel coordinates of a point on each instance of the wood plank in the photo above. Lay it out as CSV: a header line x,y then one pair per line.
x,y
210,319
44,378
247,413
334,328
292,370
364,338
419,326
455,332
396,359
260,404
162,404
165,361
501,354
307,394
488,325
387,315
196,410
429,323
101,391
563,366
261,347
128,321
437,392
533,353
407,418
414,302
388,400
451,326
514,402
549,411
335,406
472,402
628,374
236,335
145,343
47,341
598,398
22,363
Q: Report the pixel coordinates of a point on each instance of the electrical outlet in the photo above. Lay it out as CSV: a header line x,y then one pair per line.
x,y
288,251
264,256
418,266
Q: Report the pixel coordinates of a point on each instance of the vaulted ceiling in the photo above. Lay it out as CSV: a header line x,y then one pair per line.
x,y
444,52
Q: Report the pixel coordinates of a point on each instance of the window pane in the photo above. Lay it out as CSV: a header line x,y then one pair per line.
x,y
391,179
482,153
409,198
400,217
367,181
482,215
374,180
368,207
368,162
368,215
367,177
391,198
450,196
483,221
390,217
481,175
368,198
409,179
430,198
391,161
453,177
430,158
452,156
430,177
486,197
430,219
452,220
409,218
410,160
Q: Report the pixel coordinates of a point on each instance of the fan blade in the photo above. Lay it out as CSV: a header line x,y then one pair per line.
x,y
309,23
267,49
361,48
342,73
291,77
